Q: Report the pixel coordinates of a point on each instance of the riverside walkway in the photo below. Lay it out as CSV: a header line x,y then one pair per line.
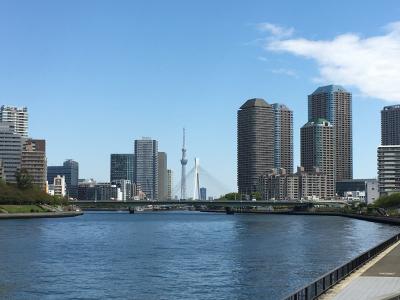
x,y
378,279
61,214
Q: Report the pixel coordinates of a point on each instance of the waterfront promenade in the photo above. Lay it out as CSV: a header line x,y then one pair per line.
x,y
378,279
61,214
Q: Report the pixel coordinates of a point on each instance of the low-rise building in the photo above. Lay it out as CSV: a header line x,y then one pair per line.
x,y
314,185
278,185
58,188
363,190
102,191
86,190
281,186
125,187
372,190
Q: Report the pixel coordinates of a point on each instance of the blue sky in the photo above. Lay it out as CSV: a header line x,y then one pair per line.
x,y
98,74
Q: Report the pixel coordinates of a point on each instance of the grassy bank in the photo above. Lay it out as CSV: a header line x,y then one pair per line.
x,y
21,209
12,194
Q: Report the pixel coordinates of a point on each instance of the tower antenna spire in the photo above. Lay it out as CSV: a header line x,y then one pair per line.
x,y
183,164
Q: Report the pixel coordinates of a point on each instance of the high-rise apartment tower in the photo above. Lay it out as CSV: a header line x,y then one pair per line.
x,y
390,125
318,151
170,183
283,137
255,143
146,166
264,141
162,176
16,115
334,104
11,145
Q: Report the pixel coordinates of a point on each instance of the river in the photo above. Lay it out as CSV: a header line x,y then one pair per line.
x,y
175,255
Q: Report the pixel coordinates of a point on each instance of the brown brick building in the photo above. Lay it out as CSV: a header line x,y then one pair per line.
x,y
264,141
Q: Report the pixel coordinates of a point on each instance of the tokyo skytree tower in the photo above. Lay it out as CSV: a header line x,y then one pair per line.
x,y
183,174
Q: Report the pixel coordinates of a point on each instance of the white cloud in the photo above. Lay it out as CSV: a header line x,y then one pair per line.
x,y
284,71
262,58
370,64
275,30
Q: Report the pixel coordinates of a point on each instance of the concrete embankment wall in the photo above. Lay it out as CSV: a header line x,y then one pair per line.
x,y
40,215
380,219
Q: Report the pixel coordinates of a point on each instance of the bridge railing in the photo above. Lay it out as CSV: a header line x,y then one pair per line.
x,y
325,282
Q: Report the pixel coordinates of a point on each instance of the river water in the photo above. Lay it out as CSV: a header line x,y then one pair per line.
x,y
175,255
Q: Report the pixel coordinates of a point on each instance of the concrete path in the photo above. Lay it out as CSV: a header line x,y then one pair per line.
x,y
63,214
379,279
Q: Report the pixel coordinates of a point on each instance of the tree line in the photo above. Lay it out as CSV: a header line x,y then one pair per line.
x,y
24,192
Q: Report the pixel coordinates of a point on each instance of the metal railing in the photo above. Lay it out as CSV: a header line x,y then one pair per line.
x,y
325,282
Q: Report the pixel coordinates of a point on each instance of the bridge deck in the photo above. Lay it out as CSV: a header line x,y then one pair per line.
x,y
210,203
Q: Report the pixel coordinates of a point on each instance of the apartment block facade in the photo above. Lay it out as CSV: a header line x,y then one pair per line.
x,y
334,104
146,166
18,116
11,146
390,125
318,151
264,141
34,161
389,169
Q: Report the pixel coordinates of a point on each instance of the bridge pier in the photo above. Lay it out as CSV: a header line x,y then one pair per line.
x,y
229,210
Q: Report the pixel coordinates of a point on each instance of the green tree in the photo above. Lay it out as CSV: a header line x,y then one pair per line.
x,y
256,195
231,196
391,201
24,179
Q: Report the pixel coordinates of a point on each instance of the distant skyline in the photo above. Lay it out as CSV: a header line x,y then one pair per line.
x,y
96,75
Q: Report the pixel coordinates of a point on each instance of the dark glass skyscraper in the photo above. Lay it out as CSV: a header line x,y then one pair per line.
x,y
122,167
70,169
333,103
203,194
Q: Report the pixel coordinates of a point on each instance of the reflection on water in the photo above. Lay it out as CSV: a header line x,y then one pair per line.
x,y
175,255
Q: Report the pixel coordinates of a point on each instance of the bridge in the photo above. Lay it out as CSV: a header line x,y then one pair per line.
x,y
215,203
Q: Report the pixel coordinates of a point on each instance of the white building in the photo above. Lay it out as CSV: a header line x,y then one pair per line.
x,y
16,115
125,189
58,188
389,169
372,190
